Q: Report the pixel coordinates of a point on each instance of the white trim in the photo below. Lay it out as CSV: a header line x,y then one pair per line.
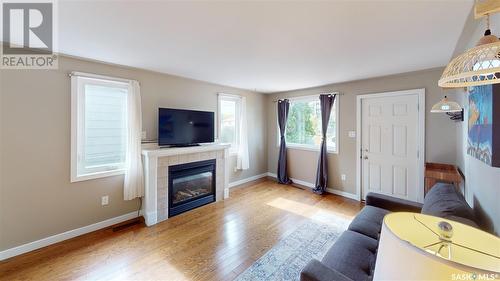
x,y
98,175
150,218
78,80
421,143
150,202
303,183
232,96
226,173
74,124
358,148
156,151
421,137
101,77
246,180
328,190
309,148
28,247
343,193
233,150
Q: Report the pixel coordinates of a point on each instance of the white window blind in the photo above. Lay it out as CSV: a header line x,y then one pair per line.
x,y
99,127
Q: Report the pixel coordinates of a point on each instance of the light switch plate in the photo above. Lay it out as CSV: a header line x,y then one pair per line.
x,y
105,200
143,135
352,134
343,177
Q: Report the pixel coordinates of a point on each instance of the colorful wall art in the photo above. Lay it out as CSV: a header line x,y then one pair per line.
x,y
483,139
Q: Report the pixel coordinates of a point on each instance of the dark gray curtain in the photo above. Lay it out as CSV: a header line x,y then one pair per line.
x,y
282,175
326,102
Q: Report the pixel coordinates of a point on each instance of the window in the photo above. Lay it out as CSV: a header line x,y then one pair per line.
x,y
229,121
99,127
303,128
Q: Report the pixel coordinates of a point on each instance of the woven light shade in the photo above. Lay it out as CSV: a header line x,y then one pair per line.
x,y
477,66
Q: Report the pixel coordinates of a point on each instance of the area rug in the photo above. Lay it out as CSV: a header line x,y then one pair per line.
x,y
285,260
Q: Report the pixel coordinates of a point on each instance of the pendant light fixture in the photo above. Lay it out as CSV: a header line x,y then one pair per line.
x,y
451,108
478,66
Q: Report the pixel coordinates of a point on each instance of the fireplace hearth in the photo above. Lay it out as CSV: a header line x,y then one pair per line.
x,y
191,185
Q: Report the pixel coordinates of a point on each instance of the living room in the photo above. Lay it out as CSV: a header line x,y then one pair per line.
x,y
267,140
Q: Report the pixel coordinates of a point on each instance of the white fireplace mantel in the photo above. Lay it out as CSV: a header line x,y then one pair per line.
x,y
156,162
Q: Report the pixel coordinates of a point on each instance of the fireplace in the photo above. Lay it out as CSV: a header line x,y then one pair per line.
x,y
191,185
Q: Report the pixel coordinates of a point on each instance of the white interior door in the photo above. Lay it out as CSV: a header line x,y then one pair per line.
x,y
390,145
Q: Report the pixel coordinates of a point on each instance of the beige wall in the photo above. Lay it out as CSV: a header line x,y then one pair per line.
x,y
440,131
37,198
481,181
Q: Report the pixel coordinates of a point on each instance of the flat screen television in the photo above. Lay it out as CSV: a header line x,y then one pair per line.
x,y
178,127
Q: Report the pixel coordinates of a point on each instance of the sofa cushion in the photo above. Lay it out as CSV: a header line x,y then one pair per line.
x,y
353,255
443,200
317,271
369,221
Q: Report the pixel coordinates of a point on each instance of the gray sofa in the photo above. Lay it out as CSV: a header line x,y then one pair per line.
x,y
354,254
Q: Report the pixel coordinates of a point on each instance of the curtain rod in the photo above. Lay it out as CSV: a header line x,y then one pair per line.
x,y
299,97
98,76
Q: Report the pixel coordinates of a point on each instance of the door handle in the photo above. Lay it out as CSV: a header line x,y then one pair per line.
x,y
366,157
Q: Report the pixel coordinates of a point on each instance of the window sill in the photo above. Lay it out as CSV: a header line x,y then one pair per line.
x,y
97,175
308,148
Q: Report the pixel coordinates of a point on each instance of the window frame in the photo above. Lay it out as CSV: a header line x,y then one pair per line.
x,y
307,147
78,83
233,150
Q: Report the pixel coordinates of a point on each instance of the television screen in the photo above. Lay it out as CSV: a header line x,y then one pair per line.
x,y
185,127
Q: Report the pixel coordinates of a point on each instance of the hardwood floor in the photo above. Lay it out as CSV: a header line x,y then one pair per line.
x,y
214,242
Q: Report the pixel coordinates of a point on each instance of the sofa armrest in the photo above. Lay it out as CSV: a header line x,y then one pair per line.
x,y
316,271
391,203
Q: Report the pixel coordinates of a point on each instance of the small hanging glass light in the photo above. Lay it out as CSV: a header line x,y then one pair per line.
x,y
451,108
446,105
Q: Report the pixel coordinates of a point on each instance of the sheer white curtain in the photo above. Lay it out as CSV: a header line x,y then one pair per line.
x,y
134,180
242,160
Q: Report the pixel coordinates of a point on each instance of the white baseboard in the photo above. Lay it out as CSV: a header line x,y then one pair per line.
x,y
343,193
28,247
249,179
272,175
303,183
329,190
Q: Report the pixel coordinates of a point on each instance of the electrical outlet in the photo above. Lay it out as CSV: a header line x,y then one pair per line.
x,y
105,200
352,134
143,135
343,177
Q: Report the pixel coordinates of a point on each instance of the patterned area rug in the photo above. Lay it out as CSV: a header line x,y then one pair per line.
x,y
285,260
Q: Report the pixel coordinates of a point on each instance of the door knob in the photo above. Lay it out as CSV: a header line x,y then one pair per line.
x,y
366,157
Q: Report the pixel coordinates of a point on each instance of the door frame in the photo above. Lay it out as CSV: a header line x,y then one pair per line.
x,y
420,142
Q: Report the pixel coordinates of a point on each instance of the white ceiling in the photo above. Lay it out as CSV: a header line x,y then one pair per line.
x,y
265,46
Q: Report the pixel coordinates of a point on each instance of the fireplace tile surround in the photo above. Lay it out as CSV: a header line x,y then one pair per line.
x,y
156,162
